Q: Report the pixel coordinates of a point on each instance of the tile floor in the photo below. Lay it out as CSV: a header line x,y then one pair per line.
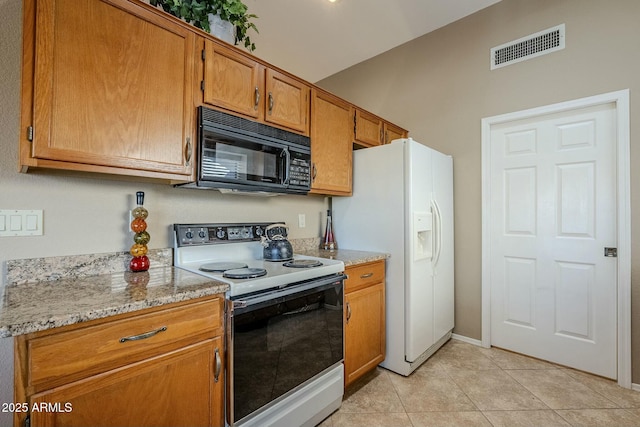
x,y
467,385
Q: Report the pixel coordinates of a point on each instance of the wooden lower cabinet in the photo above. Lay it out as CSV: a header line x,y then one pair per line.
x,y
364,319
167,381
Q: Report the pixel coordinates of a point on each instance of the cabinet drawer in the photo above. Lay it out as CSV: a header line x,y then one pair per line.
x,y
363,275
77,353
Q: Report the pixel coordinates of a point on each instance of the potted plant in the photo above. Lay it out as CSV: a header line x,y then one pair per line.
x,y
236,12
197,12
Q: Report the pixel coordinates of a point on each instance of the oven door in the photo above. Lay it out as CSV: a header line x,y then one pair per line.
x,y
282,340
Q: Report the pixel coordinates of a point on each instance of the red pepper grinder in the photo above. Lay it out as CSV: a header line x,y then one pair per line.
x,y
140,261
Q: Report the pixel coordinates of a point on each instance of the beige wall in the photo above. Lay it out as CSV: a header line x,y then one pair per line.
x,y
440,86
90,215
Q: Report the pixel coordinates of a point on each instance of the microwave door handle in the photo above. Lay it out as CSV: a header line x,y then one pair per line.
x,y
287,166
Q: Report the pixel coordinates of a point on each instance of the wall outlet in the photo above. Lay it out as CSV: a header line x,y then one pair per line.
x,y
20,223
302,220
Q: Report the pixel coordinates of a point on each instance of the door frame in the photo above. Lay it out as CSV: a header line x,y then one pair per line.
x,y
621,101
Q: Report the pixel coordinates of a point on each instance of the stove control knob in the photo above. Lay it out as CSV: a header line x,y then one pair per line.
x,y
189,234
259,231
220,233
202,234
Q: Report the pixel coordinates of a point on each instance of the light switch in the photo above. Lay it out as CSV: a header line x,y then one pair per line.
x,y
20,223
15,222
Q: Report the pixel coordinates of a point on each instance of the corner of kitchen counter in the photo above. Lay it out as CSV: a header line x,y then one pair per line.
x,y
349,257
28,307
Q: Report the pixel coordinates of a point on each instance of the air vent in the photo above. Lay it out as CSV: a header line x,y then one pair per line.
x,y
528,47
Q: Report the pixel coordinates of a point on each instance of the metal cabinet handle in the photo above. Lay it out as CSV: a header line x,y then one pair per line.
x,y
348,312
188,152
143,336
270,102
366,276
314,172
256,98
218,368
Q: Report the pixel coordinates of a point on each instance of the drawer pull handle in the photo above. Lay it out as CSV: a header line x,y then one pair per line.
x,y
218,369
143,336
348,312
366,276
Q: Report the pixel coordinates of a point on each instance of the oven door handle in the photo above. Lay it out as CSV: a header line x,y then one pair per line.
x,y
249,304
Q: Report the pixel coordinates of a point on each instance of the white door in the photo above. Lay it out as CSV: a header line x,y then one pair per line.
x,y
553,213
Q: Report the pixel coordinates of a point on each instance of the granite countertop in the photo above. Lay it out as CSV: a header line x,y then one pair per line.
x,y
65,299
348,256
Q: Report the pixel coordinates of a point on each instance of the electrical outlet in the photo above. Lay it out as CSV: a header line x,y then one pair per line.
x,y
302,220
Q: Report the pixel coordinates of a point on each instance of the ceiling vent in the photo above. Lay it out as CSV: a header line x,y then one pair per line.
x,y
528,47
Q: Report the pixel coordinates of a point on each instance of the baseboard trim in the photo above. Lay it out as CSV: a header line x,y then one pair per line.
x,y
635,387
466,339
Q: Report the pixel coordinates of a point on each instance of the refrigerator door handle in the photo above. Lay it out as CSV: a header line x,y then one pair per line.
x,y
437,229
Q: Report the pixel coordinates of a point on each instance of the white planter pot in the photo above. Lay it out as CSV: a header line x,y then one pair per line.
x,y
223,30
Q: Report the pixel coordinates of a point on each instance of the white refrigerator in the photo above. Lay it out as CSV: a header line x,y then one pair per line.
x,y
402,204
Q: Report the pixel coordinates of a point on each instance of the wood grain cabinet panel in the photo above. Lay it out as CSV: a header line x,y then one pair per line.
x,y
239,84
232,81
331,144
108,88
172,390
365,336
162,366
392,132
368,129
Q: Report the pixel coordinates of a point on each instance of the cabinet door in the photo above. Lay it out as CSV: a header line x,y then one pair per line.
x,y
287,102
112,86
364,331
392,132
176,389
368,129
331,144
232,81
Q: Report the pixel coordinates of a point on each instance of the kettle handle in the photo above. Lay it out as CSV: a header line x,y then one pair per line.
x,y
278,236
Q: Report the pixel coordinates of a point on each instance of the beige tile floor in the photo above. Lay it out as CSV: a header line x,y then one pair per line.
x,y
467,385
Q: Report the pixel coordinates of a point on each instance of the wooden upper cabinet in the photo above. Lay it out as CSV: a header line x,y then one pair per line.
x,y
287,101
107,87
392,132
368,129
232,81
371,130
331,144
237,83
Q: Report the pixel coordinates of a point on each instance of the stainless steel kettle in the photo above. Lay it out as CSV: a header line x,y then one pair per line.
x,y
276,245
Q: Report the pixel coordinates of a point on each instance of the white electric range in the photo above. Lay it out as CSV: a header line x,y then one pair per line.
x,y
285,349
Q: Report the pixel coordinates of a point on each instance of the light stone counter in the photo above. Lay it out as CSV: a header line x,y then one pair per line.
x,y
348,256
61,295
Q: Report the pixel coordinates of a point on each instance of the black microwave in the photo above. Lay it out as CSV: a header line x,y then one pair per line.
x,y
240,155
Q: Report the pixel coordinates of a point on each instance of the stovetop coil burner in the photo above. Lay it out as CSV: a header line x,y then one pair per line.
x,y
219,267
303,263
244,273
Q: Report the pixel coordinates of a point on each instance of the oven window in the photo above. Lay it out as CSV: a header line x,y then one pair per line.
x,y
281,345
235,160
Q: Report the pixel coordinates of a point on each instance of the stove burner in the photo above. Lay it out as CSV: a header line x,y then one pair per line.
x,y
218,267
303,263
244,273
